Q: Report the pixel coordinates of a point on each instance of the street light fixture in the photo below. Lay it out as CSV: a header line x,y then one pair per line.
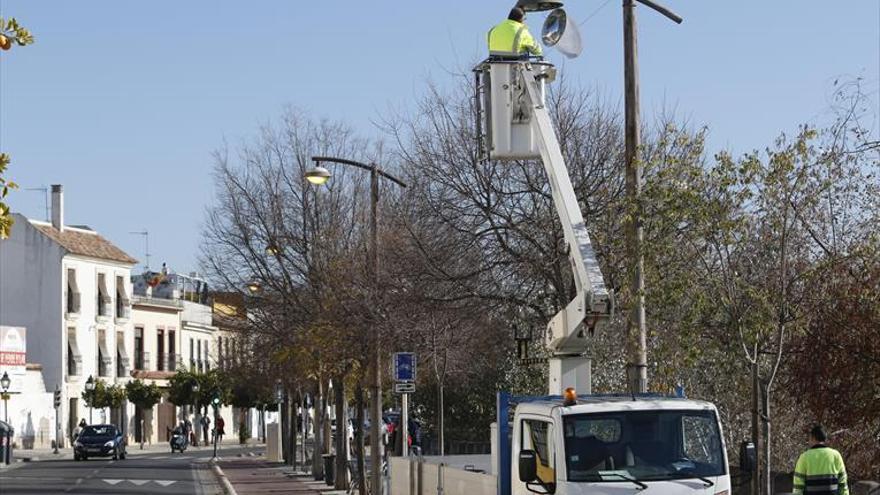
x,y
319,175
254,286
4,384
195,390
90,388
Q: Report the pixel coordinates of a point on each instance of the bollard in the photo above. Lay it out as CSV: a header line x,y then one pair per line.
x,y
440,478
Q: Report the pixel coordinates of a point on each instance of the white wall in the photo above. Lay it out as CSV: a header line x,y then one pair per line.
x,y
31,296
32,412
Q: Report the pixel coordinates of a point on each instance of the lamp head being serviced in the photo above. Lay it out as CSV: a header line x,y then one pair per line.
x,y
537,5
560,32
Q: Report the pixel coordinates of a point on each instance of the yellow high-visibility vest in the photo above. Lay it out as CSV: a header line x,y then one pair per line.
x,y
511,38
820,471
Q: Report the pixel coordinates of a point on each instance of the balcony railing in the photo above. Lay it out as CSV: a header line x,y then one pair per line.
x,y
73,303
142,361
105,363
168,362
105,304
74,366
123,308
157,301
122,367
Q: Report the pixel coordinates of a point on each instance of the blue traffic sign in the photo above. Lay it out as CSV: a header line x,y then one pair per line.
x,y
404,367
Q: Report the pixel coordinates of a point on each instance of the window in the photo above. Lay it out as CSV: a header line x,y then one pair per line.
x,y
123,304
105,359
220,351
701,440
140,358
643,445
104,299
73,299
172,350
74,358
199,354
122,361
537,435
161,361
207,358
192,355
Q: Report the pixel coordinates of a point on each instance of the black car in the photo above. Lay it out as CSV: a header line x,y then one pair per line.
x,y
99,441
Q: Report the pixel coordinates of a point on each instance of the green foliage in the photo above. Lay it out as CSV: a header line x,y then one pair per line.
x,y
180,391
143,395
104,395
6,185
11,29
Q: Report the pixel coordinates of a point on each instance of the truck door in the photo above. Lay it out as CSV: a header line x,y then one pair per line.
x,y
536,434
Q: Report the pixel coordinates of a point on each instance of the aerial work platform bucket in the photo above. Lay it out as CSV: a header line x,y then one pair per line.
x,y
503,110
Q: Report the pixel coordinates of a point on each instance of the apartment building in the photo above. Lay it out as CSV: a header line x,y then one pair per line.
x,y
70,287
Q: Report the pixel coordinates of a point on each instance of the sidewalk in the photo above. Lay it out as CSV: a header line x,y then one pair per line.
x,y
246,476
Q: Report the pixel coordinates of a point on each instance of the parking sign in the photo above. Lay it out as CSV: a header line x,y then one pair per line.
x,y
404,367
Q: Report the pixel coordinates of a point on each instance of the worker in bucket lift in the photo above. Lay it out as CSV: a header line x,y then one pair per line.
x,y
511,38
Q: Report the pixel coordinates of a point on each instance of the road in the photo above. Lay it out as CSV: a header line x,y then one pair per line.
x,y
147,473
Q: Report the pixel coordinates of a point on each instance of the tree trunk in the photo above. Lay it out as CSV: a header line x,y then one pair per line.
x,y
359,439
317,460
341,482
756,432
290,411
765,418
284,415
442,423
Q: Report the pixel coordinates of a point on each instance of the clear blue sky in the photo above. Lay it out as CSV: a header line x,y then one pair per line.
x,y
124,101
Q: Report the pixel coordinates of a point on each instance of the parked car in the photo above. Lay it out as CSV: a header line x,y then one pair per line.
x,y
99,441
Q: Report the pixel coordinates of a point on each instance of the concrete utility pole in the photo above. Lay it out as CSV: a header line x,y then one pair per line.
x,y
636,334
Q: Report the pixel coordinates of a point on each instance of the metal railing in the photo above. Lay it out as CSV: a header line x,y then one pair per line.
x,y
142,361
73,302
157,301
74,366
123,308
168,362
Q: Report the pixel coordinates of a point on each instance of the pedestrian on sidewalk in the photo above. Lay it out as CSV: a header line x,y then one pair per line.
x,y
206,422
820,470
220,424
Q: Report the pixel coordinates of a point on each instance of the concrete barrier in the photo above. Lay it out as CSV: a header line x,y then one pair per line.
x,y
438,478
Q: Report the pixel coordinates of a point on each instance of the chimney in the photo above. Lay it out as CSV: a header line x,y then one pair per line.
x,y
57,207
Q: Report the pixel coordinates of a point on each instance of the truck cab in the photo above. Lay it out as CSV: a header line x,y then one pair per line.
x,y
618,445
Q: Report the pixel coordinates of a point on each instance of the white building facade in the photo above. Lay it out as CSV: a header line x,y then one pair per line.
x,y
71,289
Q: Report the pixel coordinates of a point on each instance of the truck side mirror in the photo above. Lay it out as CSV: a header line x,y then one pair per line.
x,y
528,466
748,457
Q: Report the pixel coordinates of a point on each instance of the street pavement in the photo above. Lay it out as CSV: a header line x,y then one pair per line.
x,y
155,470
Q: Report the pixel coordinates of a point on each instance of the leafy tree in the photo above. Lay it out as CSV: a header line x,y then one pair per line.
x,y
10,31
143,395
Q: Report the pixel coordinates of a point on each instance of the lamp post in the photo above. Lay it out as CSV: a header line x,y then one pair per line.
x,y
319,175
4,384
90,388
195,391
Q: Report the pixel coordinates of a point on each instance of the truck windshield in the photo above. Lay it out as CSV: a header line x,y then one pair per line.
x,y
643,446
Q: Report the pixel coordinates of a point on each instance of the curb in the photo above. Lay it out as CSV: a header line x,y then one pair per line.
x,y
228,489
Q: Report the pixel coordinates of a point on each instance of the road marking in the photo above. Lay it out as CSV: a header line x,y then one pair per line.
x,y
166,482
113,482
138,482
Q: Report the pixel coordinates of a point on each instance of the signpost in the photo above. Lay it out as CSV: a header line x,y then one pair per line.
x,y
404,384
13,355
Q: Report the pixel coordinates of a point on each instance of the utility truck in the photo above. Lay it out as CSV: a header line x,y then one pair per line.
x,y
570,441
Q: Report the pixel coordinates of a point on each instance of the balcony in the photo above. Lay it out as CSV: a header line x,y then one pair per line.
x,y
72,308
156,301
123,309
142,361
168,362
74,365
105,364
105,307
122,365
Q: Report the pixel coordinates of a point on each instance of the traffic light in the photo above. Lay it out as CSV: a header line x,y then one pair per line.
x,y
57,398
215,401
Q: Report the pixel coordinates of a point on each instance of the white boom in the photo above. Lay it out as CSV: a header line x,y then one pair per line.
x,y
516,125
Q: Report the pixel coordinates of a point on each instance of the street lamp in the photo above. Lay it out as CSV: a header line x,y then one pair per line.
x,y
254,286
90,388
195,391
319,175
4,384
